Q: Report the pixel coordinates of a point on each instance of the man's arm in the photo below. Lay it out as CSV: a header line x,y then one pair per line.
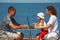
x,y
16,26
14,22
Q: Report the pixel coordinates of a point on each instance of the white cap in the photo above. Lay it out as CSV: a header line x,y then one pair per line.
x,y
41,15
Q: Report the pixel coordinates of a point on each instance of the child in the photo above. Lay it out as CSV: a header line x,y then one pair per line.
x,y
40,17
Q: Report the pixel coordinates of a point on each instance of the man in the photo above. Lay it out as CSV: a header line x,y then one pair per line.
x,y
9,22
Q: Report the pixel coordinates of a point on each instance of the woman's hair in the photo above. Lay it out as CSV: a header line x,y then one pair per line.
x,y
52,9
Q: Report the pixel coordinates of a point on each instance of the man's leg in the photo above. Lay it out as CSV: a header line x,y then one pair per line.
x,y
15,36
20,36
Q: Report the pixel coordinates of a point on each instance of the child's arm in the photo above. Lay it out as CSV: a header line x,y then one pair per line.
x,y
39,25
42,23
35,25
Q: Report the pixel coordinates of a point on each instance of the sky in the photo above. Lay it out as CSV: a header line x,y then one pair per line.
x,y
29,1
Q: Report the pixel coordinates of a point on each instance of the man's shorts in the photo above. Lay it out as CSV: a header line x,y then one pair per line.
x,y
10,34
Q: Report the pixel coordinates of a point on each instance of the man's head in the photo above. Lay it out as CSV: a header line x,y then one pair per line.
x,y
11,11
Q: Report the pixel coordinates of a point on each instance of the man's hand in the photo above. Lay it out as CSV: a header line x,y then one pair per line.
x,y
24,26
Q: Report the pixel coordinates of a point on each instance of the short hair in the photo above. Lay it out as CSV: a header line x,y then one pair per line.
x,y
11,9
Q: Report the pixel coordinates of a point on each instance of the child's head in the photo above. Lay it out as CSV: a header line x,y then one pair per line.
x,y
40,16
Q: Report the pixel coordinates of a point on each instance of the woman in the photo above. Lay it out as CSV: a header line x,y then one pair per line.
x,y
52,24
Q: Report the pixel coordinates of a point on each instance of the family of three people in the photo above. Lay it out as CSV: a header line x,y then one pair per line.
x,y
50,29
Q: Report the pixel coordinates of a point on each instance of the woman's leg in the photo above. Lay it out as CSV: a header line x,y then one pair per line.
x,y
52,36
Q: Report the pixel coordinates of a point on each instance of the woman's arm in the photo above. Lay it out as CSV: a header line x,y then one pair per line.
x,y
47,26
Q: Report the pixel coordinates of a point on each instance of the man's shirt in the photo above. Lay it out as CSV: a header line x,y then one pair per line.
x,y
5,23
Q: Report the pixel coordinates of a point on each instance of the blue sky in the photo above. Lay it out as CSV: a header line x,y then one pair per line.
x,y
30,1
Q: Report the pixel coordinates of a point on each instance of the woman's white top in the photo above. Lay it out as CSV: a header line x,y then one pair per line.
x,y
54,22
